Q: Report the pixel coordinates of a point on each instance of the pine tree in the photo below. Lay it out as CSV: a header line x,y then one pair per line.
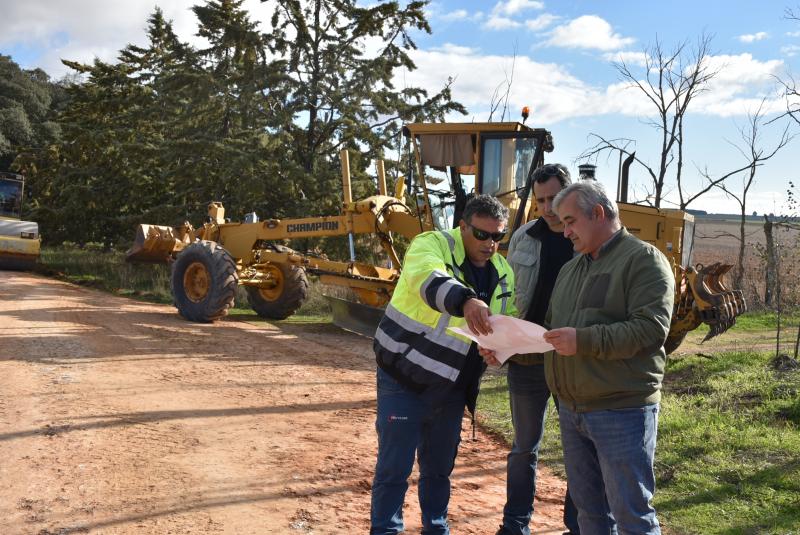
x,y
255,119
343,94
26,111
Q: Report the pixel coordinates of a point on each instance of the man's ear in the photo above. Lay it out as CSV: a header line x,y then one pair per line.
x,y
598,212
462,225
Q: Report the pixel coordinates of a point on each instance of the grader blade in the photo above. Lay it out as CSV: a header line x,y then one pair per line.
x,y
355,317
154,244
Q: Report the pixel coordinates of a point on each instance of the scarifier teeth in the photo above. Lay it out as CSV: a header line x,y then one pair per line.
x,y
720,305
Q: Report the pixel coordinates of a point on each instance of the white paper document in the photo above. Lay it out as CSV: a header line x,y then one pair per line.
x,y
509,337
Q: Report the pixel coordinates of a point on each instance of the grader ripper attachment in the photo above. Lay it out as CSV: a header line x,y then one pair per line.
x,y
494,158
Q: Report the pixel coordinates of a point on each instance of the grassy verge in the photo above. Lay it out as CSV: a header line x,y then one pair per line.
x,y
729,439
760,320
91,266
728,455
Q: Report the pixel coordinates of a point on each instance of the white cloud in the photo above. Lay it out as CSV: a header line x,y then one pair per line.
x,y
740,85
458,14
541,22
588,31
790,50
436,11
628,57
550,90
793,34
501,16
496,22
82,30
456,50
555,94
752,37
512,7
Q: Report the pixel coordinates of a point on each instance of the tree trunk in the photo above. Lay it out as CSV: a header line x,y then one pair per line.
x,y
739,275
769,285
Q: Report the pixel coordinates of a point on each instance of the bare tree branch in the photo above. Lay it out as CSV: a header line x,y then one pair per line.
x,y
670,81
510,83
496,99
755,156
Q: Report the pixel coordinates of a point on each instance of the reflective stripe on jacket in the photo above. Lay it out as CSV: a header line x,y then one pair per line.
x,y
412,342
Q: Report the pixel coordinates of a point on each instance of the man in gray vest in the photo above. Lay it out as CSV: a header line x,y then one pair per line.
x,y
536,252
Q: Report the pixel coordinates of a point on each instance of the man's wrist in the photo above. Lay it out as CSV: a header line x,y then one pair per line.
x,y
470,294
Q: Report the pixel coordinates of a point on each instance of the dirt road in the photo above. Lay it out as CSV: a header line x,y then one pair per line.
x,y
120,417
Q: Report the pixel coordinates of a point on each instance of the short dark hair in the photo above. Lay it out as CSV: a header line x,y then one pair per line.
x,y
484,205
546,172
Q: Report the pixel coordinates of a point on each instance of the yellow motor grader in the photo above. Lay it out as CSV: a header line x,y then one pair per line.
x,y
19,240
449,160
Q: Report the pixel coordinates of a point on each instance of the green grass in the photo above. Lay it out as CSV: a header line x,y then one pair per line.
x,y
106,270
760,320
728,455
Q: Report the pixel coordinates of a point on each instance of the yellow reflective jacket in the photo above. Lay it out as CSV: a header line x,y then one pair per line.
x,y
412,343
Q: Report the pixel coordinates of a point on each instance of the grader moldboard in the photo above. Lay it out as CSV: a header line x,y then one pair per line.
x,y
494,158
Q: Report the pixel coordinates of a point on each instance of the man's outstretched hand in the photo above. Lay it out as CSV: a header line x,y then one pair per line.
x,y
477,313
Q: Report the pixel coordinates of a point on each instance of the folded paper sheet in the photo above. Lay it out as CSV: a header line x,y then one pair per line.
x,y
510,336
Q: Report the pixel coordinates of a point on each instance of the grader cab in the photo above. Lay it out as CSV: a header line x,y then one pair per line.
x,y
448,163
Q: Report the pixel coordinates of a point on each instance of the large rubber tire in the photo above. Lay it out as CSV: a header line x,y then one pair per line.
x,y
283,300
203,282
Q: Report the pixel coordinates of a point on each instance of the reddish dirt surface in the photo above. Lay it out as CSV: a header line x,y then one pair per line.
x,y
119,417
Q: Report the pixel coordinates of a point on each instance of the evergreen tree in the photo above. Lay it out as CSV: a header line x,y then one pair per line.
x,y
26,113
343,93
228,136
254,119
97,183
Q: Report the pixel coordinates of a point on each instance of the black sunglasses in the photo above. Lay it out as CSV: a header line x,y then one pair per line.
x,y
482,235
552,170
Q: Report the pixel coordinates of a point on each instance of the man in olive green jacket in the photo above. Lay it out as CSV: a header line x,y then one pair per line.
x,y
609,317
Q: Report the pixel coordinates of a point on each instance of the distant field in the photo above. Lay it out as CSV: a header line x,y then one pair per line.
x,y
716,240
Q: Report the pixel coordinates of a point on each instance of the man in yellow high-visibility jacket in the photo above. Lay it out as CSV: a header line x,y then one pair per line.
x,y
426,374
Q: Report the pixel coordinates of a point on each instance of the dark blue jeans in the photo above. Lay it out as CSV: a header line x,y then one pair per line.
x,y
610,453
529,395
407,425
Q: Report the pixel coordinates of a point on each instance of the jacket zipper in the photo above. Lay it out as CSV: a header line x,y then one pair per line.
x,y
573,402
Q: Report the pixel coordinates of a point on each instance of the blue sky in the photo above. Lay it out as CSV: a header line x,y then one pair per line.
x,y
563,68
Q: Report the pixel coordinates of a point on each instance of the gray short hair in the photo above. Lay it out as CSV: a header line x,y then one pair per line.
x,y
588,194
486,206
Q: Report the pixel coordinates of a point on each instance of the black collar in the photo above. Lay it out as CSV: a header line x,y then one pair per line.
x,y
538,229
